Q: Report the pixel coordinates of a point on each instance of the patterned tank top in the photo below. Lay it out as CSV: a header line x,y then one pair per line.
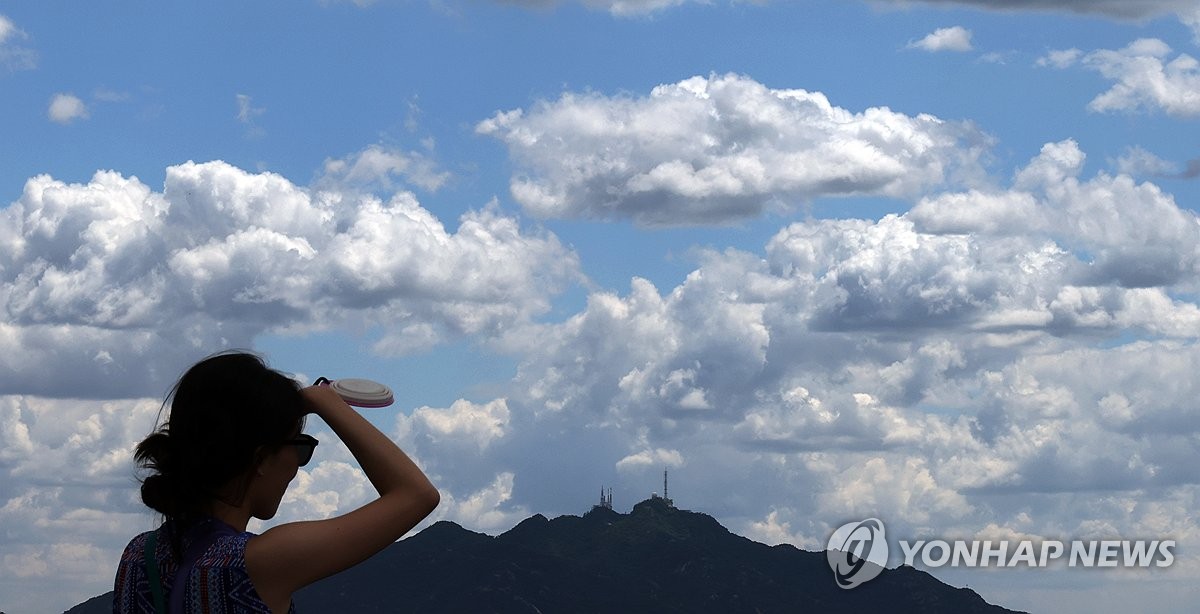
x,y
217,584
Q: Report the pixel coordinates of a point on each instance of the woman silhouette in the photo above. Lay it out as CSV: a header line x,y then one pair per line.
x,y
231,444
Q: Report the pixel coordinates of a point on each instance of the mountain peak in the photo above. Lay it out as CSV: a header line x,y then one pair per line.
x,y
652,505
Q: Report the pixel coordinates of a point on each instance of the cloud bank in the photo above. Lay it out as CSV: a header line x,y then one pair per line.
x,y
91,274
943,366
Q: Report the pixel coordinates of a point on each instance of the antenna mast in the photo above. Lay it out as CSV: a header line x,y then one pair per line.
x,y
605,500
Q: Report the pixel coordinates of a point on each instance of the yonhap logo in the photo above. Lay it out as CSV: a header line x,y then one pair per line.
x,y
857,552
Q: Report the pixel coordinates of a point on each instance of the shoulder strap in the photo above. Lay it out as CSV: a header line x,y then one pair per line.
x,y
148,555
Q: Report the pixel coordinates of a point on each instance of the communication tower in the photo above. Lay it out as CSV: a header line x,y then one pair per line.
x,y
666,498
605,501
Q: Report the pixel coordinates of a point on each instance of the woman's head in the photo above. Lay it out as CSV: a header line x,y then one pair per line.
x,y
229,414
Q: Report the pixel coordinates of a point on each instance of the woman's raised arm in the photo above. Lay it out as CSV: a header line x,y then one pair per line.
x,y
288,557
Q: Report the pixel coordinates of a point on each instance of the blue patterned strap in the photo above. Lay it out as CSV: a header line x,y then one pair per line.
x,y
148,551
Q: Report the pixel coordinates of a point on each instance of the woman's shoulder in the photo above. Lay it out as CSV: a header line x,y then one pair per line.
x,y
131,587
133,550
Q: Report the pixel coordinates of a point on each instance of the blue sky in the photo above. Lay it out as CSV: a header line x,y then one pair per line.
x,y
926,262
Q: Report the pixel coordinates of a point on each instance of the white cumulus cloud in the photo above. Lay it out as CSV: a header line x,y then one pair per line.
x,y
120,286
66,108
711,150
1136,235
954,38
1145,77
489,509
650,458
463,422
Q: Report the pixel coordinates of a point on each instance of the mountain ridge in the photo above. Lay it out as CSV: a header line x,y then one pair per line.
x,y
656,558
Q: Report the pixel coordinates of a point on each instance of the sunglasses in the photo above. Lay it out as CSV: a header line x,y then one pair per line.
x,y
305,446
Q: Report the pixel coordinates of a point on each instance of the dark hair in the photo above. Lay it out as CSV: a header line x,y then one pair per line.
x,y
224,411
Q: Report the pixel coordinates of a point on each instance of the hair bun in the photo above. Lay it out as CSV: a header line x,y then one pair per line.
x,y
158,494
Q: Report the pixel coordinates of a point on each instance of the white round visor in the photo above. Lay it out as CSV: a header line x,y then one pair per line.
x,y
363,392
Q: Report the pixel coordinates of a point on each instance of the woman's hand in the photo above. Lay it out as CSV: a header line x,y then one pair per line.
x,y
320,400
